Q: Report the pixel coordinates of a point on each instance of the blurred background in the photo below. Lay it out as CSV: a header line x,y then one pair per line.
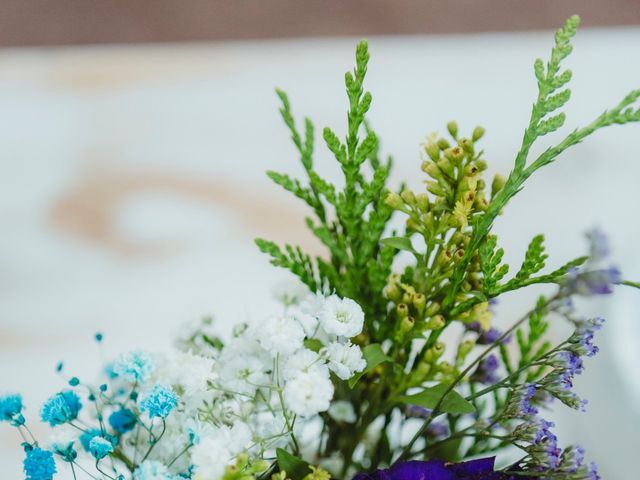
x,y
134,137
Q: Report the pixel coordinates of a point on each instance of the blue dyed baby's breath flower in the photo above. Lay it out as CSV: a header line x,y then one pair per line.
x,y
11,410
159,401
134,366
61,408
123,420
85,437
100,447
39,464
65,449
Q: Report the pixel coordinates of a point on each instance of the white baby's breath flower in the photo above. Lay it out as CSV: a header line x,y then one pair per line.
x,y
342,317
342,411
210,458
308,393
237,438
278,335
345,359
243,374
308,321
303,360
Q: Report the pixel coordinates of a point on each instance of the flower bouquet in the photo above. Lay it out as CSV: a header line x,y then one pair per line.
x,y
384,363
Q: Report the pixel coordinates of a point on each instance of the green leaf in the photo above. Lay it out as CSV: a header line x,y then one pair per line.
x,y
429,397
374,356
295,467
313,344
401,243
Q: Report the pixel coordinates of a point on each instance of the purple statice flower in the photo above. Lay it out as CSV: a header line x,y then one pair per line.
x,y
486,337
481,469
520,405
568,362
598,244
582,339
592,472
415,411
572,459
534,431
593,282
487,370
547,453
437,430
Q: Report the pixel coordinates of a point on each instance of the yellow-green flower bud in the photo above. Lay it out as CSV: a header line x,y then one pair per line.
x,y
445,367
407,297
454,154
434,307
436,322
431,169
478,133
408,197
422,200
402,310
435,188
446,166
406,324
443,144
393,292
419,302
394,201
481,164
497,184
434,353
433,150
453,129
445,257
466,144
465,348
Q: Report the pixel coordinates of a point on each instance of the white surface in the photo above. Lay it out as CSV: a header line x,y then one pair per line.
x,y
183,134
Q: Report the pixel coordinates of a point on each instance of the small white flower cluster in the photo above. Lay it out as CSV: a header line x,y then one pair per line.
x,y
250,396
269,375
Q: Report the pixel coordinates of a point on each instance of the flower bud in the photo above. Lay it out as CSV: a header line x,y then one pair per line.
x,y
419,302
446,166
453,129
455,154
393,292
394,201
408,197
434,307
431,169
436,322
402,310
497,184
422,200
478,133
435,188
465,348
443,144
467,145
406,324
433,150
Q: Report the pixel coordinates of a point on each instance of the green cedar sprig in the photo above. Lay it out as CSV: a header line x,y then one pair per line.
x,y
349,221
550,80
